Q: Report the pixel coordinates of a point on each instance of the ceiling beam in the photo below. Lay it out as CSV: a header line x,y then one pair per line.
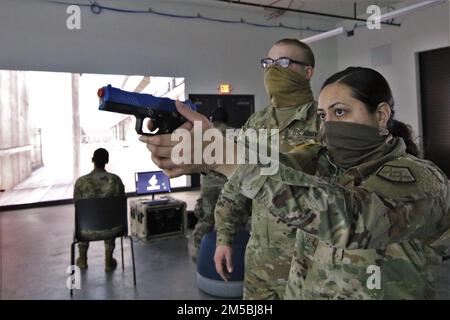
x,y
302,11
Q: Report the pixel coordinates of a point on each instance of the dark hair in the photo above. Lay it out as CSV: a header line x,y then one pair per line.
x,y
100,158
371,88
309,55
219,114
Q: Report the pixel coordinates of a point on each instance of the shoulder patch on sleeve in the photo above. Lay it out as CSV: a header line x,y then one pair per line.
x,y
396,174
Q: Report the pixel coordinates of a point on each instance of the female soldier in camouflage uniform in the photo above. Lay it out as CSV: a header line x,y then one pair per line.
x,y
373,220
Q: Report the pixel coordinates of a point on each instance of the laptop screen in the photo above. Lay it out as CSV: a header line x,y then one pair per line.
x,y
151,182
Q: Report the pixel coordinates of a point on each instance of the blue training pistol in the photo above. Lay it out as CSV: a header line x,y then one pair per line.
x,y
161,111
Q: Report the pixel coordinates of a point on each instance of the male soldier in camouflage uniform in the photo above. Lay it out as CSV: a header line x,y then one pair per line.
x,y
98,184
373,220
211,185
292,111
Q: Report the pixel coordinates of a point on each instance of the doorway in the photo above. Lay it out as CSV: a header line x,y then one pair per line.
x,y
434,68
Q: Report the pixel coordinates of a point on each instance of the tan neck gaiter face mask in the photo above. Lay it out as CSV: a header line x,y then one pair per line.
x,y
286,88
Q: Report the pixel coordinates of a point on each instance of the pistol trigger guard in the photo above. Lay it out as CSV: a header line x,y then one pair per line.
x,y
139,124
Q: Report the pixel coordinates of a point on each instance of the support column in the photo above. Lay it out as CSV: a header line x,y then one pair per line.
x,y
76,129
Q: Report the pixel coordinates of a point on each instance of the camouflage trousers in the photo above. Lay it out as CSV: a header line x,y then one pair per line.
x,y
204,226
266,273
195,239
109,246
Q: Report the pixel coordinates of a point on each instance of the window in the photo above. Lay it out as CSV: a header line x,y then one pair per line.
x,y
50,126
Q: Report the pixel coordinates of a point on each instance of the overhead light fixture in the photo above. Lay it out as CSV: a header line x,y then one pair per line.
x,y
408,9
324,35
383,17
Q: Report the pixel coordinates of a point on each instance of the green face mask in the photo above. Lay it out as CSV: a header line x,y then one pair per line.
x,y
350,144
286,88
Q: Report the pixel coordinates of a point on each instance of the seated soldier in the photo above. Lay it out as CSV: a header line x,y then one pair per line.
x,y
98,184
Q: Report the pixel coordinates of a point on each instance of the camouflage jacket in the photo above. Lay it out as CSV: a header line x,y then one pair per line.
x,y
374,231
98,184
211,185
266,232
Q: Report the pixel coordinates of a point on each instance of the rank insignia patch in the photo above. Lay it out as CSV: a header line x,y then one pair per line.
x,y
396,174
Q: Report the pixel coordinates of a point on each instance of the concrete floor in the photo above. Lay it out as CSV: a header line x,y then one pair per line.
x,y
35,253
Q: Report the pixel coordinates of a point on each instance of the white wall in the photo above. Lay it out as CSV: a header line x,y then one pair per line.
x,y
423,30
33,36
